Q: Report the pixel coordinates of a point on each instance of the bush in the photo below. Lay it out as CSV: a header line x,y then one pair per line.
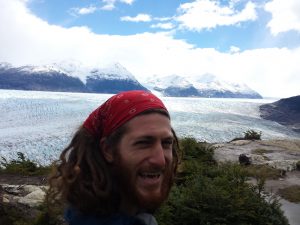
x,y
252,135
224,198
211,194
16,215
192,149
194,155
22,166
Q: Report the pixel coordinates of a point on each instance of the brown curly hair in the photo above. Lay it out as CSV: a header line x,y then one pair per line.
x,y
82,178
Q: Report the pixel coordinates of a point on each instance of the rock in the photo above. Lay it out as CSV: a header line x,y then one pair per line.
x,y
29,195
12,189
244,160
32,188
33,199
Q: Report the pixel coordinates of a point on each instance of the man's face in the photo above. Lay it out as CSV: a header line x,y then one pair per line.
x,y
143,162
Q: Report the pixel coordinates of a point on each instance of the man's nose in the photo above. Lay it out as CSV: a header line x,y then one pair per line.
x,y
158,156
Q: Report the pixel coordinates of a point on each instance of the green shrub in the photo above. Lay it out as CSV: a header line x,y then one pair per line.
x,y
194,155
193,149
23,166
211,194
252,135
224,198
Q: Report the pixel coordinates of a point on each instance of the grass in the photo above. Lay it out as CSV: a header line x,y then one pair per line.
x,y
263,171
261,151
291,193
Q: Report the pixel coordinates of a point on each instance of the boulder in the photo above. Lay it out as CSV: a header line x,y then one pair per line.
x,y
244,160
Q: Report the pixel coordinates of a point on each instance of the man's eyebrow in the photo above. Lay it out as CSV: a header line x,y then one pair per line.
x,y
149,137
146,137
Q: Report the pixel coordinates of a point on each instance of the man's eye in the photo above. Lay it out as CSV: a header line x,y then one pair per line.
x,y
142,143
167,144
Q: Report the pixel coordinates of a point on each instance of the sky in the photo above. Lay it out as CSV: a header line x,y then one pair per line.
x,y
254,42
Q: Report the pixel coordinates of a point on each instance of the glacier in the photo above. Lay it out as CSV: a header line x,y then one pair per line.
x,y
41,124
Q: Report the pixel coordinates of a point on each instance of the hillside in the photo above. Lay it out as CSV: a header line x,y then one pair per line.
x,y
285,111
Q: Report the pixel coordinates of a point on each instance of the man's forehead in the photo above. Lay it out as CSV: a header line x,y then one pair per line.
x,y
145,124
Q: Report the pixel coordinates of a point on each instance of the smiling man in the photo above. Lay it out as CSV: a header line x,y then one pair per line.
x,y
120,164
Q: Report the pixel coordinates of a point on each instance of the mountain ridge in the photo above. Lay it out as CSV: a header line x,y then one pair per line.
x,y
54,77
206,85
114,78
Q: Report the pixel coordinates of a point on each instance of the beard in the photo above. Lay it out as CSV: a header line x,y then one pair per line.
x,y
126,184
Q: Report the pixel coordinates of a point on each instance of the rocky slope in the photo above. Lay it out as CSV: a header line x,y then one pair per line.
x,y
285,111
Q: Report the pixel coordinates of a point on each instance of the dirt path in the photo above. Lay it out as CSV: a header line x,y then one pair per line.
x,y
291,178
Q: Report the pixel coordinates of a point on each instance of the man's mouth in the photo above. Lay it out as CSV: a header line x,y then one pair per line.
x,y
151,175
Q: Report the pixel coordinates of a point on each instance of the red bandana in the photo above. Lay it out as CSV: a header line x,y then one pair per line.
x,y
119,109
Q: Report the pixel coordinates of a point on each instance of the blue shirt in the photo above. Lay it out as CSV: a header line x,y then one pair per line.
x,y
73,217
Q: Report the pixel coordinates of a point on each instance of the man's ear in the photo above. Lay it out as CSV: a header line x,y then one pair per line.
x,y
106,150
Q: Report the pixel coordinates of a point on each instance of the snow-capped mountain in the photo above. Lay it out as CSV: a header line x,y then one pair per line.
x,y
73,76
68,76
210,85
73,68
41,69
173,85
112,79
42,78
207,85
160,83
112,72
5,65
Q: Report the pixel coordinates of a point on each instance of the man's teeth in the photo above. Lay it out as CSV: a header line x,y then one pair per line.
x,y
150,175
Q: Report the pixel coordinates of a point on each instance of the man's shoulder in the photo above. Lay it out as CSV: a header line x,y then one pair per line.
x,y
146,218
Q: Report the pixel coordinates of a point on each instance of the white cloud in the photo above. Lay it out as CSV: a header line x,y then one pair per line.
x,y
234,49
285,15
129,2
163,25
163,19
139,18
110,4
84,10
27,39
207,14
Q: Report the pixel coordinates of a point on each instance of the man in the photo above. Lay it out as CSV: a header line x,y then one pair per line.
x,y
120,165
